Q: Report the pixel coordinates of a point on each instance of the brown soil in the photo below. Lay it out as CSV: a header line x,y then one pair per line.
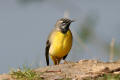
x,y
76,71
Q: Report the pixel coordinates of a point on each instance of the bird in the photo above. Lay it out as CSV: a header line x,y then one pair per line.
x,y
59,41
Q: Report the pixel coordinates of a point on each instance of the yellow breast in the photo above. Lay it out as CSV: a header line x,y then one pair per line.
x,y
60,43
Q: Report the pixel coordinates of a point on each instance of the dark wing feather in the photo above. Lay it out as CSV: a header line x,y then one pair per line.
x,y
65,57
47,52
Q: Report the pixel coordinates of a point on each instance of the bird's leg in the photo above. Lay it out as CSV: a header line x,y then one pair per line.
x,y
58,60
54,60
65,62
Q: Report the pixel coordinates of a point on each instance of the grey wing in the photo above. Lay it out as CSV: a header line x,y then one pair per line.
x,y
47,52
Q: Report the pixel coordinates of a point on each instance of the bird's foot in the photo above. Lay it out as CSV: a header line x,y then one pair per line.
x,y
65,62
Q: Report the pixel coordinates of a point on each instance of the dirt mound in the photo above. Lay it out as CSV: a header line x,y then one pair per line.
x,y
75,70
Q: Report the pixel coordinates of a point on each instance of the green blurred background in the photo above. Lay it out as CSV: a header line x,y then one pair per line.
x,y
25,25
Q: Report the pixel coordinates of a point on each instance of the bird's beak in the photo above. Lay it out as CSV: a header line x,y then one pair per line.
x,y
72,20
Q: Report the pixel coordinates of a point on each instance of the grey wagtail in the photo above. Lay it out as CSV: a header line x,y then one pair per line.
x,y
59,41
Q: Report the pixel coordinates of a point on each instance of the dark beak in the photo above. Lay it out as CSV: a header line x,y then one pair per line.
x,y
72,20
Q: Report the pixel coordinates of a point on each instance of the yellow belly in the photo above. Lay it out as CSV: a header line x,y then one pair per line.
x,y
60,44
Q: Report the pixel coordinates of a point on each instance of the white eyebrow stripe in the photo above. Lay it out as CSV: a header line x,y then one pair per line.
x,y
60,21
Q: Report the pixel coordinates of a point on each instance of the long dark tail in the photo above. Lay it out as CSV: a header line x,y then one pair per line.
x,y
47,52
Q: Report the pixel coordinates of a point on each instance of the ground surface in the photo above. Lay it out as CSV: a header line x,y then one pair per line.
x,y
81,70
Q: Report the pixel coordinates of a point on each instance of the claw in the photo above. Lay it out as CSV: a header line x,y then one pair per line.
x,y
65,62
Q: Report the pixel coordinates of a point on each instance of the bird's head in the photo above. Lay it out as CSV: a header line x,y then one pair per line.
x,y
63,24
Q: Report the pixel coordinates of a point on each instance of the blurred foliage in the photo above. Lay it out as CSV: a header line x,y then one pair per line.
x,y
25,73
86,29
110,77
106,77
28,1
116,49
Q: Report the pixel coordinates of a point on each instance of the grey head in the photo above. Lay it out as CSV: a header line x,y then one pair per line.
x,y
63,24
